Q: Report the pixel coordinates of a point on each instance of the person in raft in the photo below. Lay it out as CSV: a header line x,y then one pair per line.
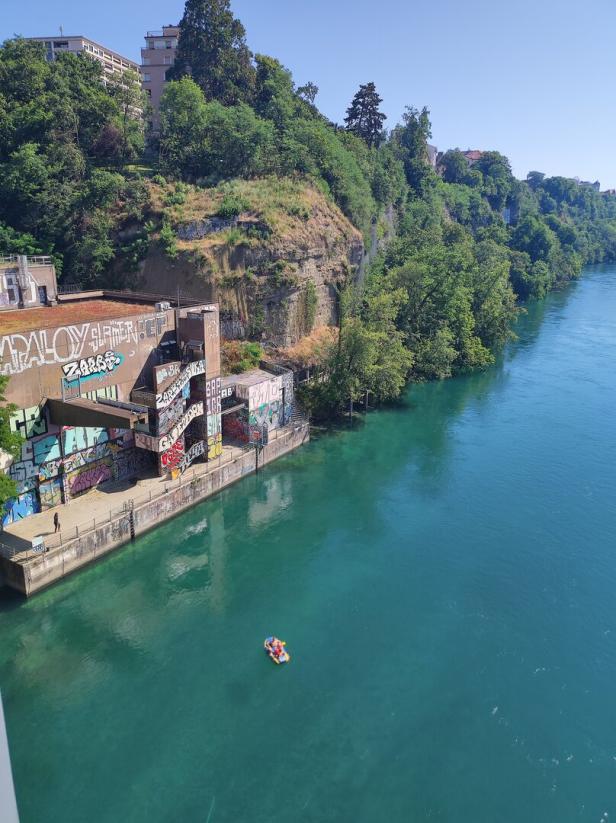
x,y
276,647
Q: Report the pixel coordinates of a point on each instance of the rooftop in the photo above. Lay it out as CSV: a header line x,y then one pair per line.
x,y
67,314
250,378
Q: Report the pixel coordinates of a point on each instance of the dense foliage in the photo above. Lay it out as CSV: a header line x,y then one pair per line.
x,y
64,136
470,239
10,443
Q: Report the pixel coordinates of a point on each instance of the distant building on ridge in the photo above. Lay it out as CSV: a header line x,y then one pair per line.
x,y
156,59
111,61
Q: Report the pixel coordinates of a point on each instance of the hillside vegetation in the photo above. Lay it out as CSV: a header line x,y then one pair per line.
x,y
247,180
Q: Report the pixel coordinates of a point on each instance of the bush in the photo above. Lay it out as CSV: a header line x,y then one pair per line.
x,y
239,356
168,240
231,206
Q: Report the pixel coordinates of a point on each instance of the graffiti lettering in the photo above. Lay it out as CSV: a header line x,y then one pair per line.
x,y
19,352
195,451
92,366
81,481
164,373
173,456
164,443
163,399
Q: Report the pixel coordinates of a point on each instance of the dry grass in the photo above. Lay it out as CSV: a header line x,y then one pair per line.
x,y
295,213
309,350
69,314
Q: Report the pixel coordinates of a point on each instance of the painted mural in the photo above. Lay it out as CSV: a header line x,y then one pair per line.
x,y
168,417
50,494
172,458
90,367
23,506
69,344
89,476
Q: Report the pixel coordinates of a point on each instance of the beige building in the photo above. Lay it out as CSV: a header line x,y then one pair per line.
x,y
156,59
26,282
111,61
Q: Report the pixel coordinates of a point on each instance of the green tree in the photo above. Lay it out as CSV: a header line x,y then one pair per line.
x,y
10,442
411,139
308,92
132,103
212,49
363,117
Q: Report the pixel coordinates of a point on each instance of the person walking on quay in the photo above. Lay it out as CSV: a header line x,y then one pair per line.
x,y
56,522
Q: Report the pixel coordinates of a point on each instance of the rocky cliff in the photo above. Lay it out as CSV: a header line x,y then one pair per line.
x,y
274,253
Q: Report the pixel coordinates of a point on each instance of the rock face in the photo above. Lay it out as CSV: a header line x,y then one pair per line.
x,y
274,280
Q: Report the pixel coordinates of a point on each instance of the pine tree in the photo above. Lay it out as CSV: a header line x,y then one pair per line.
x,y
363,116
212,49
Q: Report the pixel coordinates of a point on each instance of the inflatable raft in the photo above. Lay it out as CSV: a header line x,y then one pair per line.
x,y
275,650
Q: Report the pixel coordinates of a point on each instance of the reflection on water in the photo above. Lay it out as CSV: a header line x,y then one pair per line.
x,y
443,574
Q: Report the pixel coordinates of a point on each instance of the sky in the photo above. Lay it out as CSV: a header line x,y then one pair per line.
x,y
533,79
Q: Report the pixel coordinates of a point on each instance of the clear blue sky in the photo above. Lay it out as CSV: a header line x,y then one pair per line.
x,y
533,79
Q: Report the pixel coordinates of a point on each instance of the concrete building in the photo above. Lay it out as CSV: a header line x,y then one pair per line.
x,y
256,403
108,386
111,61
26,282
114,386
156,59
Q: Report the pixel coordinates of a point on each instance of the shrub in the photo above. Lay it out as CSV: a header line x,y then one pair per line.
x,y
231,206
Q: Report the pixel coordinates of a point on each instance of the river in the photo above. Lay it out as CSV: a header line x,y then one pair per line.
x,y
444,575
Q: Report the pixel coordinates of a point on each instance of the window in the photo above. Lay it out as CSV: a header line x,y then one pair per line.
x,y
147,78
146,61
168,60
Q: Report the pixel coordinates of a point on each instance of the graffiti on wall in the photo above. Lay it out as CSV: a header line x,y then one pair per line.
x,y
172,458
169,416
193,369
165,372
25,470
131,463
92,475
235,427
65,344
195,451
50,494
90,367
77,438
23,506
162,444
28,422
214,446
263,419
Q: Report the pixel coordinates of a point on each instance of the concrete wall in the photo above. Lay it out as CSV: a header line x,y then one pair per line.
x,y
33,575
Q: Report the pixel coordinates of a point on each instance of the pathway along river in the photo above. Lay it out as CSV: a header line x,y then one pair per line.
x,y
445,576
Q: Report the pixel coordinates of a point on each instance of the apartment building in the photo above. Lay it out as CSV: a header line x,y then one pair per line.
x,y
157,57
111,61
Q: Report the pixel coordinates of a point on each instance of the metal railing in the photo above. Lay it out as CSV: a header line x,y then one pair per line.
x,y
35,260
197,473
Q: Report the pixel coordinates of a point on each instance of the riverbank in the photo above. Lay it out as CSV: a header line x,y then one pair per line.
x,y
131,513
443,574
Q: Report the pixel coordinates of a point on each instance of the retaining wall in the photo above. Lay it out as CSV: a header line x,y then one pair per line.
x,y
31,575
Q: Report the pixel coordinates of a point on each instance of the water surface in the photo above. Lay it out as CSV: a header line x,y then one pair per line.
x,y
444,575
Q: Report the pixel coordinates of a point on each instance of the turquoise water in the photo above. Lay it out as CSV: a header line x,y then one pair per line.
x,y
444,575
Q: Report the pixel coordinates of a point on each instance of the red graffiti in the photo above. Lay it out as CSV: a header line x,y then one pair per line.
x,y
172,458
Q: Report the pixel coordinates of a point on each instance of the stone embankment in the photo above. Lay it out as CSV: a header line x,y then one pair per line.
x,y
30,574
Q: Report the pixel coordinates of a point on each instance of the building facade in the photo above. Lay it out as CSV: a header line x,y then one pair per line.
x,y
107,387
157,57
111,61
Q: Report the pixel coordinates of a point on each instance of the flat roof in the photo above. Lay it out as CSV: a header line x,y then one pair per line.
x,y
251,378
68,314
